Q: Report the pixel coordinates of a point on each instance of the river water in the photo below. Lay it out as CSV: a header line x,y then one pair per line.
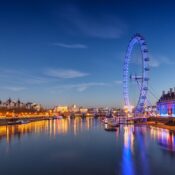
x,y
82,147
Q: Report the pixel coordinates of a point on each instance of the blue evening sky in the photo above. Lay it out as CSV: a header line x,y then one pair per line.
x,y
72,51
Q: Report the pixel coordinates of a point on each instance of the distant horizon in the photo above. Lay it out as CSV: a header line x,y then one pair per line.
x,y
78,105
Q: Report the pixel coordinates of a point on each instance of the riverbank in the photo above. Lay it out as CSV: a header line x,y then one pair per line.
x,y
161,125
157,125
4,121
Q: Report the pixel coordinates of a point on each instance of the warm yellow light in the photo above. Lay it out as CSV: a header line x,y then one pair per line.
x,y
128,108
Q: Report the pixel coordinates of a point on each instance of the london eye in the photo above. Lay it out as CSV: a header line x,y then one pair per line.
x,y
140,78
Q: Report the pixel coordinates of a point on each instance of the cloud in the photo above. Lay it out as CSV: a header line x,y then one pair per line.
x,y
15,89
118,82
101,25
108,29
21,77
34,80
19,80
156,61
65,73
71,46
81,87
166,60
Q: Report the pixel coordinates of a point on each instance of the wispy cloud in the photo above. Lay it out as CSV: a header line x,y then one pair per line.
x,y
118,82
109,28
157,61
65,73
106,26
80,87
18,80
71,46
34,80
20,77
154,63
14,89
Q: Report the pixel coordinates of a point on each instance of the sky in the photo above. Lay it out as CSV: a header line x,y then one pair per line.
x,y
72,51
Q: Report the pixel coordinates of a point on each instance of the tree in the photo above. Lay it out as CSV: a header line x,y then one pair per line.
x,y
9,102
18,103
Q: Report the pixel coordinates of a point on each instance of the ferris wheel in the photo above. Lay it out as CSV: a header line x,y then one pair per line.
x,y
142,79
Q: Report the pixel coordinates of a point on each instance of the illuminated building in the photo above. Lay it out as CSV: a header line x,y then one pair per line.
x,y
61,109
166,104
10,106
92,110
83,110
73,108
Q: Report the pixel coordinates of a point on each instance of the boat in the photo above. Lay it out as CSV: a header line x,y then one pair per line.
x,y
23,121
109,128
58,117
113,124
13,122
106,121
18,122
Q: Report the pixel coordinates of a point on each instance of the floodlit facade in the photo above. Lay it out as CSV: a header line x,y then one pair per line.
x,y
61,109
74,108
83,110
166,104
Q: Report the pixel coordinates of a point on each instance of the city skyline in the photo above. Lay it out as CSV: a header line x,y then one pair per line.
x,y
72,52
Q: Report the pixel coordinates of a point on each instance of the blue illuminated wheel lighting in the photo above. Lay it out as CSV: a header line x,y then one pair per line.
x,y
137,39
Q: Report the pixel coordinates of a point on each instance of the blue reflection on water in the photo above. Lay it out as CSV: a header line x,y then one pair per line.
x,y
81,146
142,150
134,136
127,162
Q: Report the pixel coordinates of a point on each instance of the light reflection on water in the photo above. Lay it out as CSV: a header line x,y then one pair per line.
x,y
164,137
136,140
127,162
83,142
53,127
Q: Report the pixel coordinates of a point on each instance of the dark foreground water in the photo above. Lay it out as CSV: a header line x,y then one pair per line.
x,y
82,147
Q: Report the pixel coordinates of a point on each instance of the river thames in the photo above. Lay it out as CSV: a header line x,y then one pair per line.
x,y
82,146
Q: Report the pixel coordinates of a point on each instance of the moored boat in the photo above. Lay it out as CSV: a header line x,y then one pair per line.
x,y
17,122
109,128
113,124
105,121
13,122
24,121
58,117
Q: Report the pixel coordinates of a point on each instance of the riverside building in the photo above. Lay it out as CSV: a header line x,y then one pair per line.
x,y
166,104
